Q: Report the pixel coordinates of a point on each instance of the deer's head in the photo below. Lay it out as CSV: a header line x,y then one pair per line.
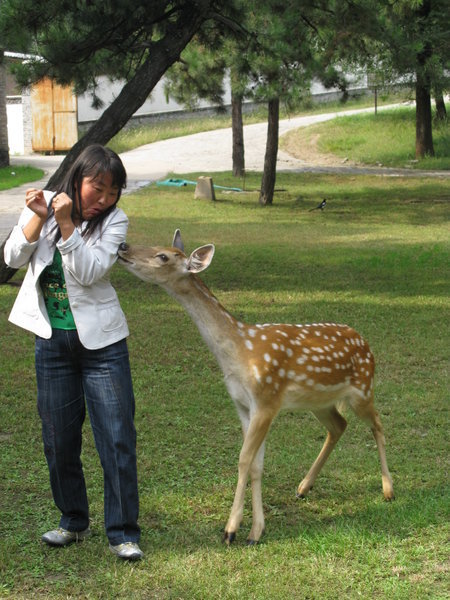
x,y
162,265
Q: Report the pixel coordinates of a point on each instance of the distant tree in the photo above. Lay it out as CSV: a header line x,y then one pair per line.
x,y
283,57
201,73
406,40
272,61
414,43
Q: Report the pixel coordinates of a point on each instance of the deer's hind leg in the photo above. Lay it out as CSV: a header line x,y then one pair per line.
x,y
335,423
365,410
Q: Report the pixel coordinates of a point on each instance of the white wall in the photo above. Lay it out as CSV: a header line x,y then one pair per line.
x,y
108,91
15,128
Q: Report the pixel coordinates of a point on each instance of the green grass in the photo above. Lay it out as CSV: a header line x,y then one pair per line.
x,y
376,258
13,176
387,138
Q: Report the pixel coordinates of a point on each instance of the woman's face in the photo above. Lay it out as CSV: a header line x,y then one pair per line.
x,y
97,195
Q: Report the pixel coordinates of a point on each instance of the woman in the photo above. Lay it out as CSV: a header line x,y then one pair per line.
x,y
70,241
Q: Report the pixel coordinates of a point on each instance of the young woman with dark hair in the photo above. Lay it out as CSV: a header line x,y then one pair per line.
x,y
69,240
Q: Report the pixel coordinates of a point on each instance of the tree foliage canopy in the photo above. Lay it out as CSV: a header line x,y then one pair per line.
x,y
75,42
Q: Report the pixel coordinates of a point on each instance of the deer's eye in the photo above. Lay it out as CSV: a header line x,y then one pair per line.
x,y
162,257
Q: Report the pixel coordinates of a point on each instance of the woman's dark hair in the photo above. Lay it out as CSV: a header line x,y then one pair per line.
x,y
94,160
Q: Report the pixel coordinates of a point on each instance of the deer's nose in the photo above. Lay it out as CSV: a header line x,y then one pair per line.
x,y
124,247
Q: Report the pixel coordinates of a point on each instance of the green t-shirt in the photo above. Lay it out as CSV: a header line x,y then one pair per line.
x,y
53,285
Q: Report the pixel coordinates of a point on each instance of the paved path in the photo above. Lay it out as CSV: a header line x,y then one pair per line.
x,y
206,152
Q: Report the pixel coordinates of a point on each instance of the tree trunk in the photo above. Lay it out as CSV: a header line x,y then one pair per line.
x,y
424,132
5,272
238,136
163,54
441,111
4,148
270,158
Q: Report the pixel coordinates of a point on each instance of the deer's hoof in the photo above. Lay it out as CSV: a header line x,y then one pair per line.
x,y
229,537
252,542
302,495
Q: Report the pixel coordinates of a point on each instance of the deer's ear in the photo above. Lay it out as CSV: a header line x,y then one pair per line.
x,y
201,258
177,241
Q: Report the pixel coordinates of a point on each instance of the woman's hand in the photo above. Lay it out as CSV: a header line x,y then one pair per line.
x,y
35,201
62,208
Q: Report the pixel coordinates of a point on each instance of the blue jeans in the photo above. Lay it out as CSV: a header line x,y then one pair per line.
x,y
69,377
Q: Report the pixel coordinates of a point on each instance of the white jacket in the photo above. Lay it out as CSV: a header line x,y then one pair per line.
x,y
86,263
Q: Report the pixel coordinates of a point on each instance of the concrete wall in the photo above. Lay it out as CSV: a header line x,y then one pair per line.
x,y
107,91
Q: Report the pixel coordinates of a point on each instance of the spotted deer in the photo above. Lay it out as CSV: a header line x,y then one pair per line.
x,y
317,367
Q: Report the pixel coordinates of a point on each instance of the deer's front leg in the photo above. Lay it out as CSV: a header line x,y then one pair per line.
x,y
256,433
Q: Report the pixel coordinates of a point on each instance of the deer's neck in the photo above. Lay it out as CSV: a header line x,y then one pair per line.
x,y
217,326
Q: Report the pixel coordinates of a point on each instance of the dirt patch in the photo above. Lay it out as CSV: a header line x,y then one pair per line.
x,y
306,148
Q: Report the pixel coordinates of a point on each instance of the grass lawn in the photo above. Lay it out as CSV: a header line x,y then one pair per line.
x,y
376,258
13,176
387,139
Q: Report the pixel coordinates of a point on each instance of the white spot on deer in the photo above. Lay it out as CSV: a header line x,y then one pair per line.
x,y
248,345
256,374
267,357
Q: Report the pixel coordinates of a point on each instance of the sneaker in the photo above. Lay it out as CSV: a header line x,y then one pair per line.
x,y
127,551
63,537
